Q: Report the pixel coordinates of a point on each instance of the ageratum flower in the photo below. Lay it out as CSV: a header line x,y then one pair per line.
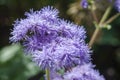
x,y
84,3
37,29
84,72
62,53
53,43
70,30
36,22
41,27
117,5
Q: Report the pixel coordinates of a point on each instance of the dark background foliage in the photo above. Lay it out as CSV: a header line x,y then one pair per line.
x,y
14,65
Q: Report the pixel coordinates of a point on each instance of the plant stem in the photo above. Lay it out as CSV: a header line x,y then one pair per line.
x,y
94,16
48,74
106,14
112,18
97,30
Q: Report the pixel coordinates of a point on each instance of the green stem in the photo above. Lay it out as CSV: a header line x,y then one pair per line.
x,y
94,16
97,30
48,74
105,16
112,18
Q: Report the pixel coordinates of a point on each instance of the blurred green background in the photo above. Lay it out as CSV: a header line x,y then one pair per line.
x,y
14,65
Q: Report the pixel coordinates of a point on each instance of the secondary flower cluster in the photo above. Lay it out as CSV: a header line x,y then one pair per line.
x,y
85,3
117,5
55,44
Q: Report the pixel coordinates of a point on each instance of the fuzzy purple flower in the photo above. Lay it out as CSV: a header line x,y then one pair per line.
x,y
84,3
84,72
117,5
62,53
70,30
53,43
41,27
36,22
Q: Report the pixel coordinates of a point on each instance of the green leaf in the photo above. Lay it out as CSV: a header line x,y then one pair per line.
x,y
14,65
8,53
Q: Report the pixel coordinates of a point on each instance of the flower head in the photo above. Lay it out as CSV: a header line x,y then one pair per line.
x,y
84,3
84,72
53,43
62,53
36,22
117,5
71,30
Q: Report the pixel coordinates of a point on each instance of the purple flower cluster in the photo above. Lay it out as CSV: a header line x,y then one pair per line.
x,y
117,5
84,3
84,72
54,43
62,53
